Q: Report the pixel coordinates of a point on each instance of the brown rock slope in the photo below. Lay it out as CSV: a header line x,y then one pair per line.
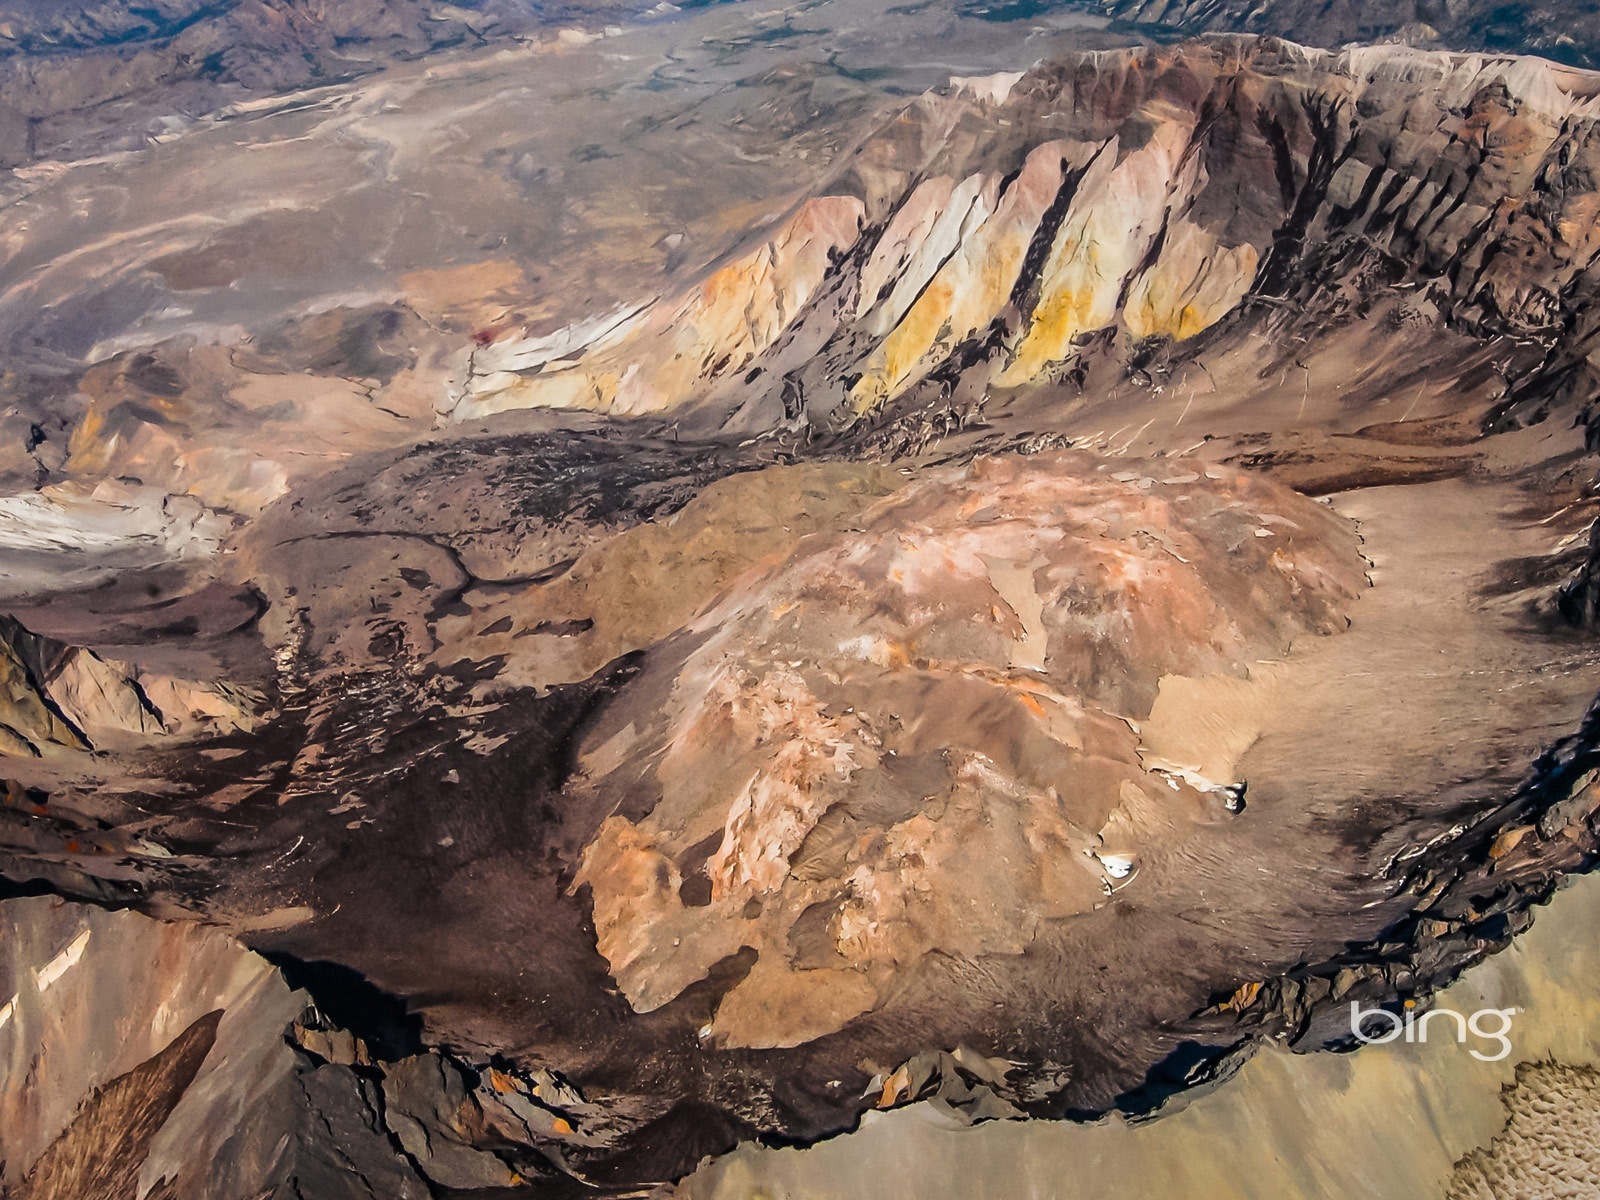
x,y
843,748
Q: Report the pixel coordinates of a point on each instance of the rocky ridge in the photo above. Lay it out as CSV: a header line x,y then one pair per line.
x,y
1131,208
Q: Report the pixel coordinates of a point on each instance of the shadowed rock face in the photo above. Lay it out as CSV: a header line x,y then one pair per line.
x,y
65,697
102,1153
140,1054
808,649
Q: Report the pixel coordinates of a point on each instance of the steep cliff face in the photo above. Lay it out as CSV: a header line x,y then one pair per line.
x,y
1127,209
736,315
140,1054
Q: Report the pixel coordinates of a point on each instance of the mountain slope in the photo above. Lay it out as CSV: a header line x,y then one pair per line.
x,y
1090,577
1125,212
